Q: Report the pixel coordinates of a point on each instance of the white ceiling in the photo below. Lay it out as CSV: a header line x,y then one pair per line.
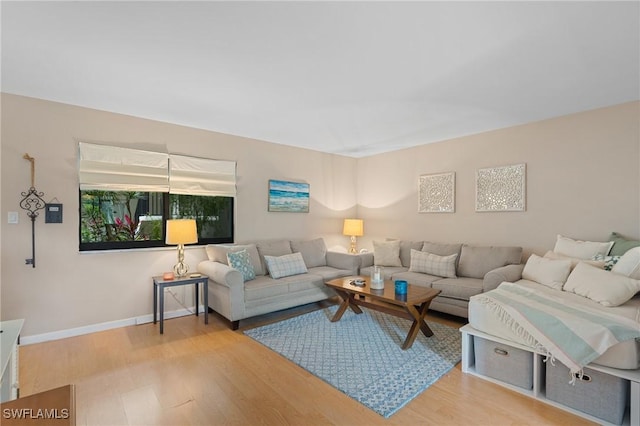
x,y
351,78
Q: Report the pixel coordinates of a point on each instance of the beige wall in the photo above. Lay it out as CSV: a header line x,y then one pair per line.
x,y
68,289
582,181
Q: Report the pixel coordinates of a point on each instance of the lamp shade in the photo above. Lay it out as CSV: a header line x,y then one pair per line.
x,y
353,227
181,231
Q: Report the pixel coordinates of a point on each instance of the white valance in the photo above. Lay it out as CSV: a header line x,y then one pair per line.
x,y
110,168
201,176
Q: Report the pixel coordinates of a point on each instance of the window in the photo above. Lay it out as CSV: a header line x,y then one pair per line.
x,y
127,195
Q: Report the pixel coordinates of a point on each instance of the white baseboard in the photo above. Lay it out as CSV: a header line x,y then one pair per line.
x,y
93,328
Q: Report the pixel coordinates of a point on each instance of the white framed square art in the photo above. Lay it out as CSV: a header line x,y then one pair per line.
x,y
437,193
501,189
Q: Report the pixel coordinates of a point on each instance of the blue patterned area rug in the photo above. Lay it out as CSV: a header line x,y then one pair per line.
x,y
361,354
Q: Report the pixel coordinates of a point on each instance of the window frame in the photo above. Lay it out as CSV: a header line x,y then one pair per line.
x,y
145,244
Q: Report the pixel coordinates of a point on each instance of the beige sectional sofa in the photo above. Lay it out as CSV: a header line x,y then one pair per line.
x,y
286,273
472,269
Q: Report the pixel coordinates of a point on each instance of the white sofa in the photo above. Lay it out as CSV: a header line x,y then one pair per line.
x,y
235,298
575,286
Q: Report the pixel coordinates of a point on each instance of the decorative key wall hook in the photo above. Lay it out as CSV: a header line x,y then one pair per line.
x,y
32,201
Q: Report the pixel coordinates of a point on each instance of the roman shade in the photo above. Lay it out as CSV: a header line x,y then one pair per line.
x,y
201,176
111,168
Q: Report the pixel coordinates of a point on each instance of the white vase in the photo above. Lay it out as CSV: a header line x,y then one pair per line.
x,y
377,278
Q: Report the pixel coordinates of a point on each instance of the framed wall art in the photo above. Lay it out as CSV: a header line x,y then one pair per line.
x,y
437,193
285,196
501,189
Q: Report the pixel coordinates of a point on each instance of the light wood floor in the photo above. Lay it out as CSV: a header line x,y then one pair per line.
x,y
209,375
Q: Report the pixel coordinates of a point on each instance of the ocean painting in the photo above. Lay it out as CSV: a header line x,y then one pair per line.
x,y
288,196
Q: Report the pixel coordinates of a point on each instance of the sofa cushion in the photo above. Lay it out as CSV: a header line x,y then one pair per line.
x,y
416,278
581,249
264,287
604,287
272,248
441,249
240,261
285,265
458,288
629,264
549,272
314,252
432,264
218,253
303,282
328,272
476,261
389,271
386,253
405,250
621,245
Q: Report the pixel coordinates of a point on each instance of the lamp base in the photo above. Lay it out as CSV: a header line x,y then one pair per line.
x,y
352,249
180,269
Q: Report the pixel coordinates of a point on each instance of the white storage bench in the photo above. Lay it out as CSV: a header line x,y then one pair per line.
x,y
537,374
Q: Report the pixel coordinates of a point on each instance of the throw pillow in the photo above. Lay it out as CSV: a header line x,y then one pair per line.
x,y
621,245
581,249
386,253
604,287
286,265
241,261
314,252
218,253
432,264
609,261
629,264
574,261
549,272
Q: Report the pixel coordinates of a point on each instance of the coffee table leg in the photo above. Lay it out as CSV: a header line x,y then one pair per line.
x,y
418,324
347,300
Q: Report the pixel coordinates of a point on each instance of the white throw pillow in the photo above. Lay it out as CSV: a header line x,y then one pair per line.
x,y
286,265
604,287
549,272
629,264
432,264
386,253
574,261
581,249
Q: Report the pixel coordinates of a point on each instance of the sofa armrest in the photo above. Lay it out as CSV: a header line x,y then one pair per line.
x,y
495,277
226,289
221,273
343,261
366,259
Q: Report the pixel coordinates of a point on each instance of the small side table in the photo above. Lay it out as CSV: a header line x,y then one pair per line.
x,y
159,285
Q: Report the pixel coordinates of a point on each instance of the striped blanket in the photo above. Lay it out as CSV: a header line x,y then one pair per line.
x,y
574,336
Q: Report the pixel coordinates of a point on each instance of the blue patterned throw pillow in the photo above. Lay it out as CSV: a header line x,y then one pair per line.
x,y
609,261
241,261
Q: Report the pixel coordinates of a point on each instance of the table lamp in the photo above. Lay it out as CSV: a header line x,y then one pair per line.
x,y
181,232
353,228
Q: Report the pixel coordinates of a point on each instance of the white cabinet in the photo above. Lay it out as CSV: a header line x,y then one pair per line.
x,y
632,417
9,341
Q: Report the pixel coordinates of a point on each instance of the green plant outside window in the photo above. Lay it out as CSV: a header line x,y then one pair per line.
x,y
126,219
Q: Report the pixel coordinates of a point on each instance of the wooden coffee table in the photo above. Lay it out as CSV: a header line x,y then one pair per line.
x,y
412,306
